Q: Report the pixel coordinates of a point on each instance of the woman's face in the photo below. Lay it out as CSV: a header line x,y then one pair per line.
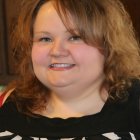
x,y
61,59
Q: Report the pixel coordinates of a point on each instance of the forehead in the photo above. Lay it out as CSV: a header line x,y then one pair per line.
x,y
49,14
46,7
46,15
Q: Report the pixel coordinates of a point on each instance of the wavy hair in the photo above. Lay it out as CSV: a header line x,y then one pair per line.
x,y
102,22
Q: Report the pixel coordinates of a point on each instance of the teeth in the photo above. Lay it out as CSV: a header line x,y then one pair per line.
x,y
63,65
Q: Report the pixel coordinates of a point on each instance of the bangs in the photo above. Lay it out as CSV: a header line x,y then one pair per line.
x,y
82,18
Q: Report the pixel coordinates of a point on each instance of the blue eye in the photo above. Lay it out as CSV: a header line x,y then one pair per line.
x,y
45,39
75,38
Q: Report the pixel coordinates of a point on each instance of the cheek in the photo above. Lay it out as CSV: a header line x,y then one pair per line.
x,y
39,55
89,55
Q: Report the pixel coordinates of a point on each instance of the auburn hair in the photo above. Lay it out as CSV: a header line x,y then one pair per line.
x,y
102,22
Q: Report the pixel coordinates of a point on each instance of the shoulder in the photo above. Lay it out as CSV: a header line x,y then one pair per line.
x,y
134,93
134,90
7,107
134,101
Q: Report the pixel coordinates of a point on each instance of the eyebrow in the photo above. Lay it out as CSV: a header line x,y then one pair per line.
x,y
42,32
71,31
36,34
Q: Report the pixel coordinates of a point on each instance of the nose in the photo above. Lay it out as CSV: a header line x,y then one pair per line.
x,y
59,49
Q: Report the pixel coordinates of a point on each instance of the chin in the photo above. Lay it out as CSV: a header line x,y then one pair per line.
x,y
58,84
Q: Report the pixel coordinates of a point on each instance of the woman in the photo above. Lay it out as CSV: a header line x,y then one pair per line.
x,y
78,73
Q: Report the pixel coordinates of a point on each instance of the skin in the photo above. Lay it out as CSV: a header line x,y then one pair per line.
x,y
68,66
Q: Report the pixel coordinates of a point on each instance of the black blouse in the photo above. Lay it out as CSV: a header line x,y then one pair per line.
x,y
116,121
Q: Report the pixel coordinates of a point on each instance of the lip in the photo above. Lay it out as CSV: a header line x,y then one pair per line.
x,y
61,66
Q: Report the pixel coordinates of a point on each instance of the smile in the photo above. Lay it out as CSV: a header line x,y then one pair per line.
x,y
61,66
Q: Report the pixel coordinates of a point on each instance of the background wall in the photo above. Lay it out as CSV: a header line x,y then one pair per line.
x,y
8,13
133,7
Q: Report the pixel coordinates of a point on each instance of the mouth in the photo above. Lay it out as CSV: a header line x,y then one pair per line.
x,y
61,66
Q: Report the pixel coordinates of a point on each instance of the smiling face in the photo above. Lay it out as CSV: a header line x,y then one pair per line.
x,y
61,59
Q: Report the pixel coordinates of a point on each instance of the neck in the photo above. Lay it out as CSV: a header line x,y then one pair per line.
x,y
75,104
